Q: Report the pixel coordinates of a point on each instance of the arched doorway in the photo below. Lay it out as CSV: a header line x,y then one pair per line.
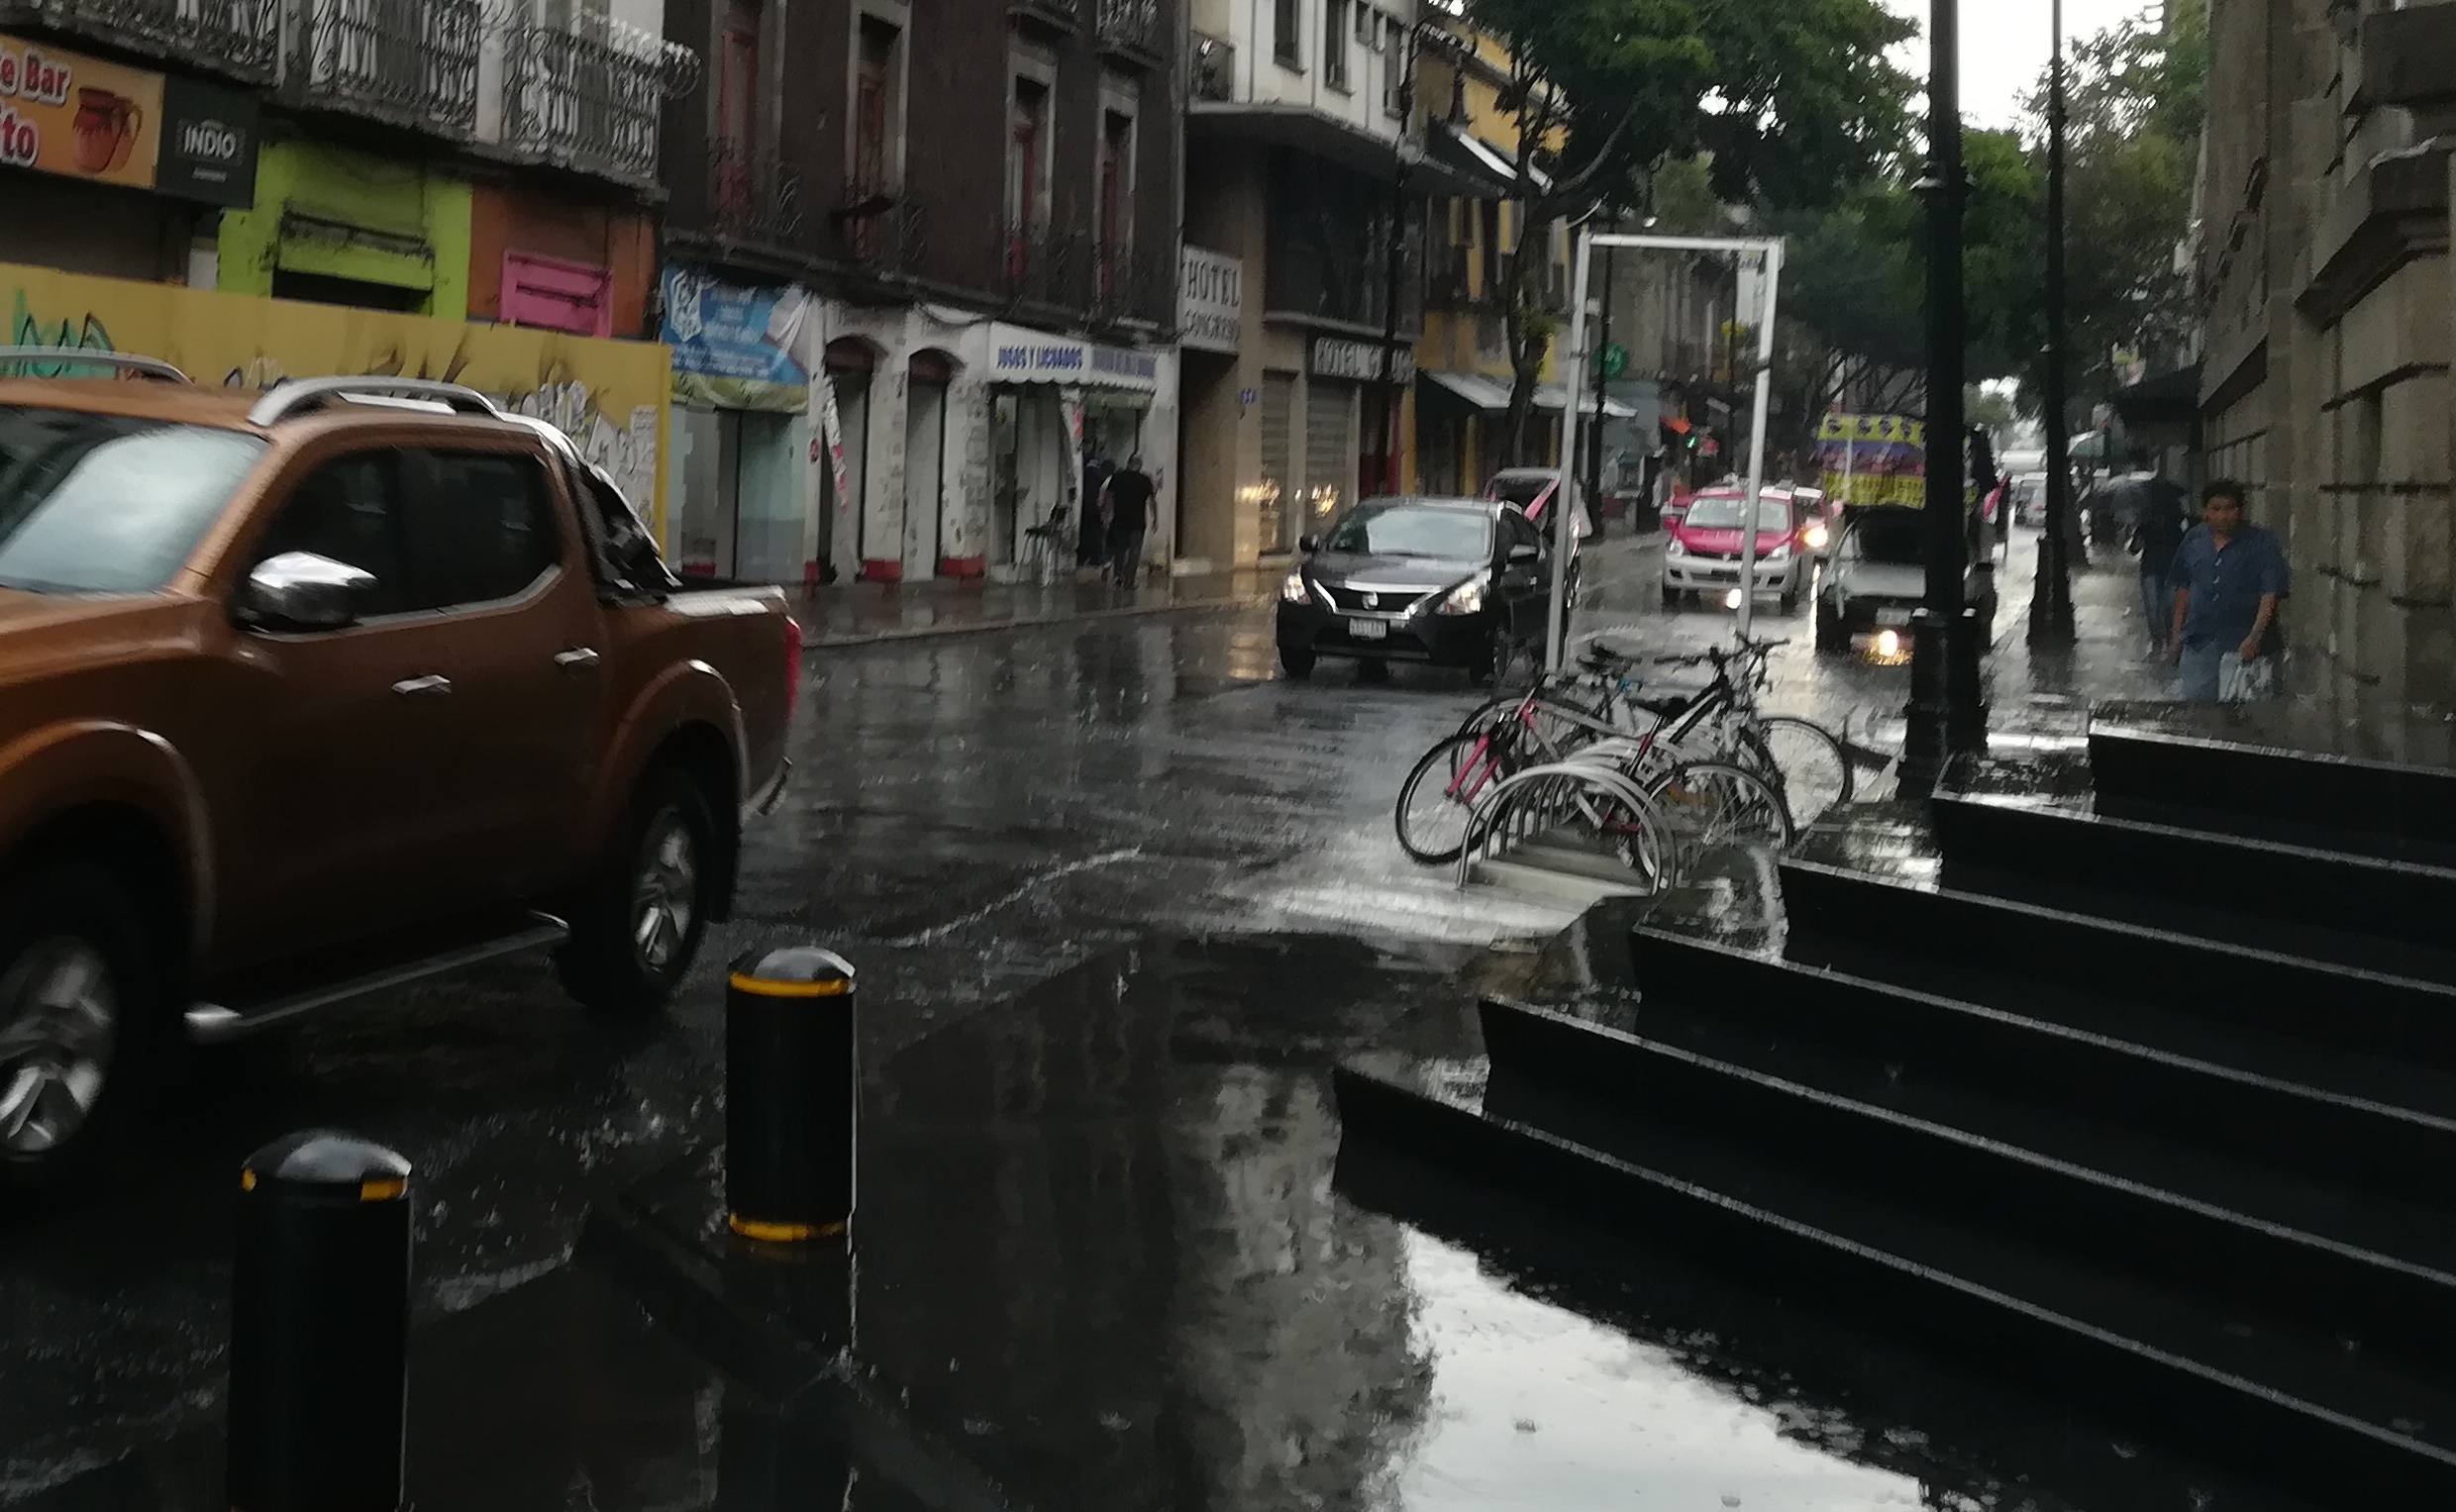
x,y
848,363
925,461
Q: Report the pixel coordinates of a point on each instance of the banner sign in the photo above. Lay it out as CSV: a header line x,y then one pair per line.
x,y
1360,362
80,117
1873,459
1020,354
733,344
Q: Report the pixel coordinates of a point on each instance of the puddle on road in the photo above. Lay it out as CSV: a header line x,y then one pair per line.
x,y
1532,1406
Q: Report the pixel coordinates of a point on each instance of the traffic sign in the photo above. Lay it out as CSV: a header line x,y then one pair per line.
x,y
1615,361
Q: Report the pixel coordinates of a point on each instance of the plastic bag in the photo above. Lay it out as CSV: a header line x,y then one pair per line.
x,y
2241,681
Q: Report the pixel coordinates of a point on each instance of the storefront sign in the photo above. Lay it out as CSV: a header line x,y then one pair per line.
x,y
1022,355
1360,362
80,117
1211,308
208,144
733,345
609,397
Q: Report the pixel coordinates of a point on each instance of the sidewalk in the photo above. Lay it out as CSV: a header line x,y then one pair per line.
x,y
864,614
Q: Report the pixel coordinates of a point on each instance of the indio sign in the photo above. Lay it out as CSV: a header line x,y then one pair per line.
x,y
80,117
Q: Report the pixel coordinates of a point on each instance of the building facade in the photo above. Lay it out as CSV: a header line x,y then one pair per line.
x,y
1307,173
2323,278
920,268
325,186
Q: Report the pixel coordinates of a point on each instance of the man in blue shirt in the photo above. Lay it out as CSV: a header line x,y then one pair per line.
x,y
2229,578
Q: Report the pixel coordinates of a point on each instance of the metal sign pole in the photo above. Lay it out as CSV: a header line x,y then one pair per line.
x,y
1773,273
1564,499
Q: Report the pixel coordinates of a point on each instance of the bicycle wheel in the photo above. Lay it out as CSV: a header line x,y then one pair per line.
x,y
1717,803
1805,761
1439,796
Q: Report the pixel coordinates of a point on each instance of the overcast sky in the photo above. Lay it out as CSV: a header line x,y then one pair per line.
x,y
2004,47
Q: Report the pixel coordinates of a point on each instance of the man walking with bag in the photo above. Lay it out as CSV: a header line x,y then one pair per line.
x,y
2230,578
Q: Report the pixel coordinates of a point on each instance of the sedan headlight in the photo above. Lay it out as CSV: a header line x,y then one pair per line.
x,y
1673,547
1467,598
1295,590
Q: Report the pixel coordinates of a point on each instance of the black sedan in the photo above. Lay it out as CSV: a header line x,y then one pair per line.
x,y
1455,582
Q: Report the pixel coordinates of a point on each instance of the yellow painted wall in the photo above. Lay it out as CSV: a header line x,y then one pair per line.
x,y
611,397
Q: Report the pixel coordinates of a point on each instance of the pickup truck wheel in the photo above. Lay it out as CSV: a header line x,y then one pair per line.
x,y
634,935
75,1007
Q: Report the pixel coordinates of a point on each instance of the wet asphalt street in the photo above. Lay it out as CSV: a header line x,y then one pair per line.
x,y
971,817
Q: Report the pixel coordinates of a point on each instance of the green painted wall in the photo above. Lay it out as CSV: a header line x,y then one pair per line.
x,y
352,215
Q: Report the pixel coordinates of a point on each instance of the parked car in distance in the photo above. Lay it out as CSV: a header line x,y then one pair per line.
x,y
1877,579
2029,499
1705,550
314,692
1455,582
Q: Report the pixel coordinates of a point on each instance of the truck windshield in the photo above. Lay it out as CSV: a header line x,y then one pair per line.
x,y
108,503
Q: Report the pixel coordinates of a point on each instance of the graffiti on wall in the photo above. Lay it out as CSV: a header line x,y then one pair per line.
x,y
608,397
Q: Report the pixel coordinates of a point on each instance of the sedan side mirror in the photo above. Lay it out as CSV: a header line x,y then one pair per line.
x,y
1524,553
1309,544
300,590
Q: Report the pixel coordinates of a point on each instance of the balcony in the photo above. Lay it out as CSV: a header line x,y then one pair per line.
x,y
410,63
879,233
238,37
1130,29
1211,68
1126,289
1044,267
1058,15
587,98
754,197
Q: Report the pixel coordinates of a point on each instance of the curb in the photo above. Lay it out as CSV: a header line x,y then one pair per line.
x,y
992,626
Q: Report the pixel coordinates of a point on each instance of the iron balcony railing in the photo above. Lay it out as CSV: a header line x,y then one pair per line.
x,y
1131,26
1211,68
752,196
587,98
1063,13
413,62
1127,288
238,37
1045,266
880,232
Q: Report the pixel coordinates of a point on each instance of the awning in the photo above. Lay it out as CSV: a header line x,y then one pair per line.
x,y
1491,395
1477,169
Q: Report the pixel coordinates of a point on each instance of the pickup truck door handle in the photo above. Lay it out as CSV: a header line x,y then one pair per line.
x,y
578,659
430,686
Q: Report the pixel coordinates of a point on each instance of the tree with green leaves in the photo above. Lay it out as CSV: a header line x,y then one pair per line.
x,y
1786,102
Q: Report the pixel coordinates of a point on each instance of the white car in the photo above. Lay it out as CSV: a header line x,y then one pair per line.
x,y
1877,579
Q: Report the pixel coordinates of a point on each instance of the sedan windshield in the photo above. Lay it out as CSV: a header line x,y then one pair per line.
x,y
1414,529
1721,512
108,503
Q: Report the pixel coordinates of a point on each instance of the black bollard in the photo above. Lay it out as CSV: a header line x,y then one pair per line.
x,y
792,1095
318,1327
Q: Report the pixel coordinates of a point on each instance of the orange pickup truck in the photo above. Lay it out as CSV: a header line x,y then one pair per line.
x,y
312,692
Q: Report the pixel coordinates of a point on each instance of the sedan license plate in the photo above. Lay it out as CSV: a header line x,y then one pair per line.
x,y
1369,629
1893,616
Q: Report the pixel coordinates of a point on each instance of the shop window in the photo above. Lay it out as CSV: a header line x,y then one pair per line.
x,y
554,295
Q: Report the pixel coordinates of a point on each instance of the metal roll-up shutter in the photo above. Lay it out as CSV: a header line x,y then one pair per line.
x,y
1279,460
1330,450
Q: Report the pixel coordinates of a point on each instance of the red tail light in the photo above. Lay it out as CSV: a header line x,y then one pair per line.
x,y
793,667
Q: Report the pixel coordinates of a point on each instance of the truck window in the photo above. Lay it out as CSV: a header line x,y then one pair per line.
x,y
483,531
109,503
350,511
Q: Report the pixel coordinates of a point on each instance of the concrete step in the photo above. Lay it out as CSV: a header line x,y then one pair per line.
x,y
2331,803
2347,910
2289,1404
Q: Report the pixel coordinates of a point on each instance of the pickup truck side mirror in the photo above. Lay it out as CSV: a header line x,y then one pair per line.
x,y
300,590
1309,544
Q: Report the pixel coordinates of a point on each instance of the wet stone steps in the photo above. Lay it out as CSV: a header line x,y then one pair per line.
x,y
2165,1212
2326,905
2127,1068
2333,803
2293,1405
2389,1036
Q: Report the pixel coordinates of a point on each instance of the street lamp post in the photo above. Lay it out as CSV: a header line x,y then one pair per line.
x,y
1943,717
2051,605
